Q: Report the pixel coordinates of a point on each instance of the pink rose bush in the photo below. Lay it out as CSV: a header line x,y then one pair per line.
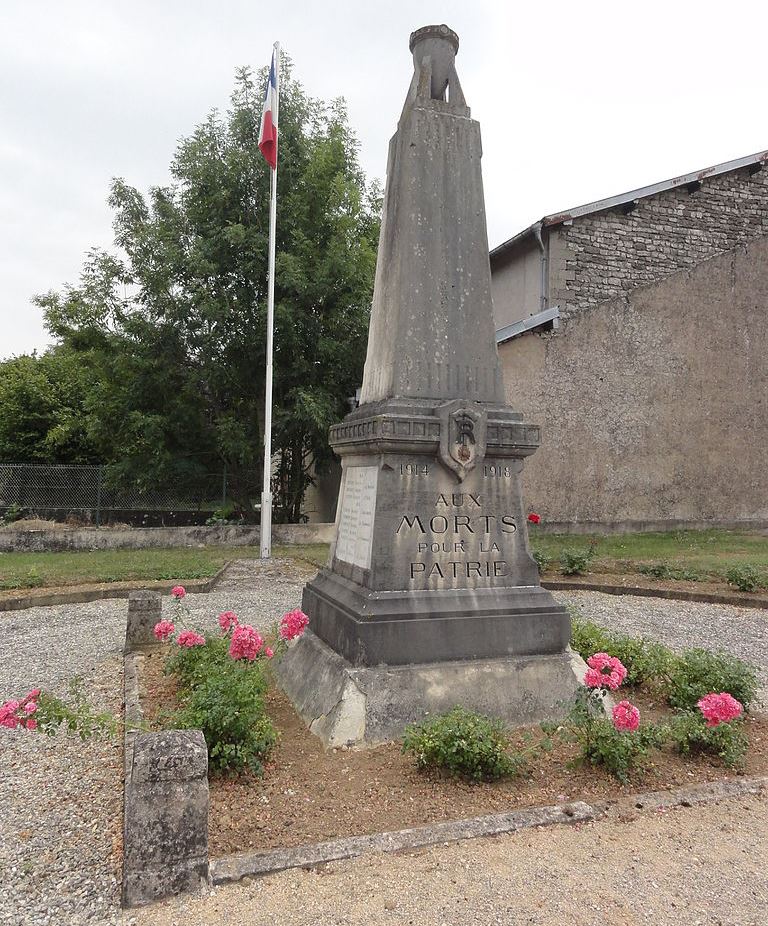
x,y
604,672
163,630
626,717
293,625
719,708
19,714
190,638
246,643
228,620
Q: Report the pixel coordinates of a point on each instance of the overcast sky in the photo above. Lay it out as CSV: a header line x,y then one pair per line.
x,y
577,101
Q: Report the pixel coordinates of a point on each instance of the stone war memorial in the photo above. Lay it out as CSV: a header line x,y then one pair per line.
x,y
431,598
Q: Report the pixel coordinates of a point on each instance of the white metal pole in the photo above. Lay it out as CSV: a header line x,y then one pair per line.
x,y
266,494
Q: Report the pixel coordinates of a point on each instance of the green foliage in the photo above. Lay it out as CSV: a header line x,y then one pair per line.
x,y
664,570
575,562
542,560
746,578
600,743
42,409
12,514
619,752
698,672
76,714
172,332
225,699
463,743
227,514
690,733
226,702
644,660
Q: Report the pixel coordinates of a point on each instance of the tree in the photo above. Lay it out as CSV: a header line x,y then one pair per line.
x,y
173,328
42,409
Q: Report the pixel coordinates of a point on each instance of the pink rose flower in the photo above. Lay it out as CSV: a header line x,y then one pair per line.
x,y
293,624
228,620
190,638
32,695
604,671
31,724
178,592
246,643
626,717
269,652
30,707
719,708
163,630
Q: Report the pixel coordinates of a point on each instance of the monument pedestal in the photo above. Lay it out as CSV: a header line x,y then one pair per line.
x,y
349,706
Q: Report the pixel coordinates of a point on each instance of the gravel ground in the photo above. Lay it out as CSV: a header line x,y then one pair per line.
x,y
61,824
687,867
60,835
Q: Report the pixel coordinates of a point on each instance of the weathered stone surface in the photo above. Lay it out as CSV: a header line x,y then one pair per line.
x,y
431,597
235,867
144,611
432,333
166,816
345,705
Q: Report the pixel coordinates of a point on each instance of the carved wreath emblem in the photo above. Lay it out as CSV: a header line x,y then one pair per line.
x,y
462,436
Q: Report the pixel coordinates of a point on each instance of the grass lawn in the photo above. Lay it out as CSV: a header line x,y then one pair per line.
x,y
34,570
707,554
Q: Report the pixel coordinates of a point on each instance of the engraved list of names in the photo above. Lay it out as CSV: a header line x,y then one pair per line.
x,y
358,506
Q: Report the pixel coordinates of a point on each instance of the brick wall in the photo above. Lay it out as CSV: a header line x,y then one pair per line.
x,y
606,254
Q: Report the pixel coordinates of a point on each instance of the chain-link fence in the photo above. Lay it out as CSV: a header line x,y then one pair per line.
x,y
58,488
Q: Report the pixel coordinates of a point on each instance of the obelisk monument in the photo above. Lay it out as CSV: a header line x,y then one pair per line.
x,y
430,598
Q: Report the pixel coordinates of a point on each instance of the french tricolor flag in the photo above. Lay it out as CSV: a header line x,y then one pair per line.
x,y
268,128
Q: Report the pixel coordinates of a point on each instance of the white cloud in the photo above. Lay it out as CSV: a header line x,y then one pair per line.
x,y
576,102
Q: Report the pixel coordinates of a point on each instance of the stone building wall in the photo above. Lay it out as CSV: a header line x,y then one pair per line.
x,y
605,254
654,403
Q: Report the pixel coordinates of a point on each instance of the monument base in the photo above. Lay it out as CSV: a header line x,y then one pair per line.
x,y
348,706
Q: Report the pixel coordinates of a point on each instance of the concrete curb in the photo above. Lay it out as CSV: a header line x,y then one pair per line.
x,y
96,592
644,591
232,868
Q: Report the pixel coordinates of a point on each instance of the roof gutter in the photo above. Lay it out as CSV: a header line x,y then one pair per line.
x,y
543,266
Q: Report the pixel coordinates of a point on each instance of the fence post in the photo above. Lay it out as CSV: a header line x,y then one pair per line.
x,y
98,498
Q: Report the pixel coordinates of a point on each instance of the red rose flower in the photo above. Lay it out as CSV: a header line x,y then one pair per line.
x,y
534,518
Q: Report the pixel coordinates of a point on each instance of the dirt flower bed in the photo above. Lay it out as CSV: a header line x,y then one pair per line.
x,y
310,795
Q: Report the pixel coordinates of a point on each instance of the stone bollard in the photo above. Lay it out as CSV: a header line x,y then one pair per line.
x,y
144,611
166,817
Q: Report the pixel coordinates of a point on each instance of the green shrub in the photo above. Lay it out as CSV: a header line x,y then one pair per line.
x,y
543,561
698,672
746,577
227,705
690,733
657,570
463,743
600,743
644,661
575,562
663,570
619,752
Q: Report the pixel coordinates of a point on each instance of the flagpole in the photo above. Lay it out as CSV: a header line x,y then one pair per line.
x,y
266,493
